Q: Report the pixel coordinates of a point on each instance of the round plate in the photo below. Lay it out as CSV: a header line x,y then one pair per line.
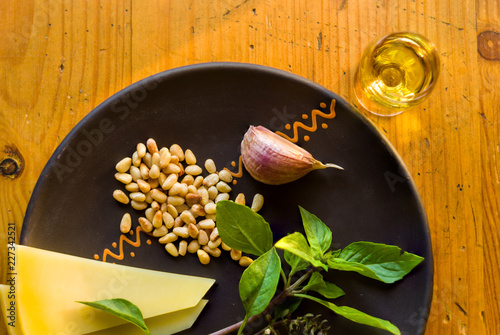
x,y
207,108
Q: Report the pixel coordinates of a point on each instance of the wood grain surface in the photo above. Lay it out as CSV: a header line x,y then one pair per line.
x,y
59,59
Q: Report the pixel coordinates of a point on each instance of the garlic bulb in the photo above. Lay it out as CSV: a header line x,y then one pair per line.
x,y
273,160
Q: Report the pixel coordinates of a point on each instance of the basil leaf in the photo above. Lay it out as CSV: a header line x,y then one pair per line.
x,y
296,263
296,244
286,307
243,229
382,262
328,290
121,308
259,281
355,315
318,234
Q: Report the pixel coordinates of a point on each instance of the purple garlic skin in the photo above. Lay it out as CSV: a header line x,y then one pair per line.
x,y
274,160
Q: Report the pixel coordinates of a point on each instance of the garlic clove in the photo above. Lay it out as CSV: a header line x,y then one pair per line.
x,y
273,160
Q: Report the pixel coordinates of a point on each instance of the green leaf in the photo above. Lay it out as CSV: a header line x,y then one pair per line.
x,y
296,263
287,306
121,308
243,229
355,315
328,290
382,262
296,244
259,281
318,234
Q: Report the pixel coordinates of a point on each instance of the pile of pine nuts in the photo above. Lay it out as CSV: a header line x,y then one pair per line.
x,y
178,198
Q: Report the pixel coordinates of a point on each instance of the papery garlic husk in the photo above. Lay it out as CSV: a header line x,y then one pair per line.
x,y
274,160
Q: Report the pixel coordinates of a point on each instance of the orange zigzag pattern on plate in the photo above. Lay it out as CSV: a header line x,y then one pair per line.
x,y
123,238
313,127
240,169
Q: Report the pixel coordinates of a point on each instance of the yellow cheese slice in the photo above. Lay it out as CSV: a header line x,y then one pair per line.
x,y
8,305
166,324
49,284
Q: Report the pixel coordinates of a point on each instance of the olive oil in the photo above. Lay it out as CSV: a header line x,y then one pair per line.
x,y
396,73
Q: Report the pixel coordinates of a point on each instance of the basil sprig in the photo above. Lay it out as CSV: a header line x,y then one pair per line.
x,y
242,229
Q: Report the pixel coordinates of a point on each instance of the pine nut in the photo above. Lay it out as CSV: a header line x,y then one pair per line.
x,y
202,237
141,150
132,187
154,183
207,224
224,246
188,180
223,187
176,189
245,261
136,160
210,166
174,159
124,178
160,231
171,249
214,244
181,232
214,235
183,247
235,254
124,165
212,192
210,208
150,214
175,200
158,219
152,146
193,231
137,196
225,176
176,150
172,211
192,199
169,182
211,180
169,238
215,252
144,171
203,256
148,160
197,210
154,172
149,199
135,172
189,157
162,178
146,225
168,220
193,170
212,217
187,217
192,189
222,196
193,246
126,223
143,186
120,196
137,205
240,199
155,205
258,202
165,158
158,195
172,168
198,181
205,198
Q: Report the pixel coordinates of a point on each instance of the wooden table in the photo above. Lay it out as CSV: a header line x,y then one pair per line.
x,y
59,59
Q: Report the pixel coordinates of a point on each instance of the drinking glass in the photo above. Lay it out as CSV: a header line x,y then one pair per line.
x,y
396,72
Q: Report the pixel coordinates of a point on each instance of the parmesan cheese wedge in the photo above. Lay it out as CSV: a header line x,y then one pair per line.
x,y
48,284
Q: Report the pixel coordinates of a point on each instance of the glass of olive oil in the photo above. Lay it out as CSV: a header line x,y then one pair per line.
x,y
396,72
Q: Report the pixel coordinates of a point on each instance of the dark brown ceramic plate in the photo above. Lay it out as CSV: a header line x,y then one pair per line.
x,y
208,108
